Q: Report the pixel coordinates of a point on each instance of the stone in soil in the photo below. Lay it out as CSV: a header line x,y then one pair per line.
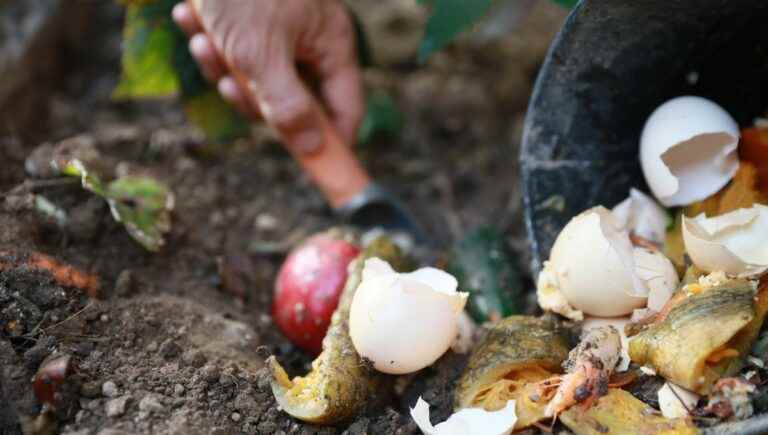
x,y
109,389
116,407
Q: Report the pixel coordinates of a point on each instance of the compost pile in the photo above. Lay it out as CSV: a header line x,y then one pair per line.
x,y
174,340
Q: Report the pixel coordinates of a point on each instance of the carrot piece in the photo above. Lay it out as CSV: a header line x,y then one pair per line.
x,y
64,274
721,354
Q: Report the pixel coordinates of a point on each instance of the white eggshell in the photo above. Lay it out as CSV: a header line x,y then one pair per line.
x,y
468,421
593,262
404,322
551,298
659,275
735,243
675,401
641,215
619,323
688,150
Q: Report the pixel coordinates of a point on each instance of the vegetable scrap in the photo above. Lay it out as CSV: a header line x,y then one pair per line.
x,y
649,321
340,381
309,285
64,274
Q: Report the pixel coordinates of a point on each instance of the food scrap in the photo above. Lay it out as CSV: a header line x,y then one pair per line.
x,y
309,285
667,315
403,322
469,421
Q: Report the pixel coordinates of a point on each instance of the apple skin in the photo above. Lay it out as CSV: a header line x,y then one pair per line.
x,y
308,288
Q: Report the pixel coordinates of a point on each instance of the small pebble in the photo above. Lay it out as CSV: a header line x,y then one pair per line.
x,y
150,403
91,390
109,389
116,407
178,390
210,373
195,359
169,349
152,346
104,318
235,417
125,283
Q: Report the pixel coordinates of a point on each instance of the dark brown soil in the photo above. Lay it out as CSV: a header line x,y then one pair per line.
x,y
167,349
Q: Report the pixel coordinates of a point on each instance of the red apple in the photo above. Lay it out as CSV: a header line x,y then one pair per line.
x,y
308,288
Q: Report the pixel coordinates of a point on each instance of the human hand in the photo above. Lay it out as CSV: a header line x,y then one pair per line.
x,y
252,50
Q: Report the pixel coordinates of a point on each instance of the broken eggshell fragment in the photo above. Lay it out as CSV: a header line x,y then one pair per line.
x,y
470,421
675,401
594,267
736,242
640,215
403,322
688,150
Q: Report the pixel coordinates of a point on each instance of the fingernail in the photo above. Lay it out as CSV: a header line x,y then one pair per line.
x,y
308,141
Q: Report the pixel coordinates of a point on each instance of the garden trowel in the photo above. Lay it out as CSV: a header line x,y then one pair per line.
x,y
346,185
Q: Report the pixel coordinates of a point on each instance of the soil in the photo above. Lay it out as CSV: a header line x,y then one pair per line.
x,y
175,341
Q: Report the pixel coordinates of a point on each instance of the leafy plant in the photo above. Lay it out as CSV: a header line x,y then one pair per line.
x,y
157,64
142,204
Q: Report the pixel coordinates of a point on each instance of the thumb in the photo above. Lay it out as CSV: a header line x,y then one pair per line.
x,y
287,105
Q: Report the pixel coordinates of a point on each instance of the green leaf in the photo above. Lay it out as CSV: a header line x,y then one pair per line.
x,y
149,42
157,63
567,3
76,168
382,117
142,204
487,270
218,120
449,18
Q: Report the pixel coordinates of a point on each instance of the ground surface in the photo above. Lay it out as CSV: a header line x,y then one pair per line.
x,y
169,349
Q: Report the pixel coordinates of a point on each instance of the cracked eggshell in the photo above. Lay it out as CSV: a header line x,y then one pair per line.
x,y
659,275
404,322
735,243
468,421
688,150
643,216
675,401
592,260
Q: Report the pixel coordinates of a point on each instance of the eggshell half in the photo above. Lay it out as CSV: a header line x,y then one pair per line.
x,y
404,322
659,275
592,262
688,150
468,421
735,243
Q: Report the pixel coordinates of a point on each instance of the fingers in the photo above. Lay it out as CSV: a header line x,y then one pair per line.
x,y
230,91
342,91
207,57
287,104
186,19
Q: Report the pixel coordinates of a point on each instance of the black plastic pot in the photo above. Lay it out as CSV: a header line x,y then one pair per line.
x,y
613,62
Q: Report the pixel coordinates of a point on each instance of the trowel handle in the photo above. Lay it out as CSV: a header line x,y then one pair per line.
x,y
333,167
